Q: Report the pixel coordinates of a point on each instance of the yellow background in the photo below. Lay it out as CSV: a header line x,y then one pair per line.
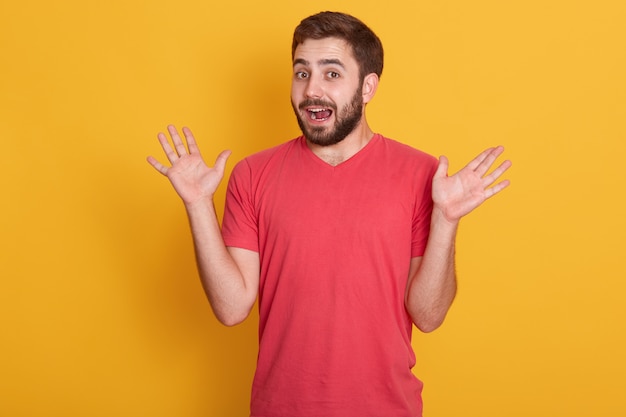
x,y
101,312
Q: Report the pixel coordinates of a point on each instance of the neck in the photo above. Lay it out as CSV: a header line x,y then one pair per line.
x,y
346,149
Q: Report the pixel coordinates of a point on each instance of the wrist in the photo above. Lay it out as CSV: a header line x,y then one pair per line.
x,y
441,221
199,206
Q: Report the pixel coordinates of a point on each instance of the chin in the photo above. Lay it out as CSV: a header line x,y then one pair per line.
x,y
324,141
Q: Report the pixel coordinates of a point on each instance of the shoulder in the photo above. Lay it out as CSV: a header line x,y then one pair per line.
x,y
402,149
259,160
266,155
402,154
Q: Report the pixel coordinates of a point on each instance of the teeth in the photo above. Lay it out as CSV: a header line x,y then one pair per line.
x,y
314,113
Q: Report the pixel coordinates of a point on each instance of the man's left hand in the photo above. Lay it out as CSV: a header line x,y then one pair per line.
x,y
459,194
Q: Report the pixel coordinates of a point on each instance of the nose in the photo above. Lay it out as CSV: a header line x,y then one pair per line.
x,y
313,88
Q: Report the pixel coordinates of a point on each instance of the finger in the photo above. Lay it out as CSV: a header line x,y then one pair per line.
x,y
220,162
442,167
191,141
488,161
172,156
490,192
497,173
474,163
157,165
178,142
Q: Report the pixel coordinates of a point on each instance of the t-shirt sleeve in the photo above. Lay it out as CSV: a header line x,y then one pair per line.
x,y
240,225
423,208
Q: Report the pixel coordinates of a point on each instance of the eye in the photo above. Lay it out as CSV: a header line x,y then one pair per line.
x,y
333,74
301,75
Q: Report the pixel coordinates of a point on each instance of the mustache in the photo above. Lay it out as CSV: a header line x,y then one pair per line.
x,y
318,103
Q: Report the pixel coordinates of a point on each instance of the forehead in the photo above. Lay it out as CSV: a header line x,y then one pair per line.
x,y
324,50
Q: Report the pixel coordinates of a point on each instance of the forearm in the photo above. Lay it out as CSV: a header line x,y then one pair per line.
x,y
230,296
432,283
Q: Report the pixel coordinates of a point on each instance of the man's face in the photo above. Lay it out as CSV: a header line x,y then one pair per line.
x,y
326,90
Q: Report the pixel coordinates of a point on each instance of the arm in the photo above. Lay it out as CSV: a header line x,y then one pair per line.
x,y
229,276
431,285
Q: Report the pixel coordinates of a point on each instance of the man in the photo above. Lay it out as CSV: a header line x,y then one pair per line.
x,y
346,237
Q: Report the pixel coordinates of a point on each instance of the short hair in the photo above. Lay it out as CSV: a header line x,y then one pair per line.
x,y
366,46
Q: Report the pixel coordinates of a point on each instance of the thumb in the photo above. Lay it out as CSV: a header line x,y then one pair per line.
x,y
220,162
442,168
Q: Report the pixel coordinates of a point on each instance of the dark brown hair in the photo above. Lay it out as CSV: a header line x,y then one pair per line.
x,y
366,46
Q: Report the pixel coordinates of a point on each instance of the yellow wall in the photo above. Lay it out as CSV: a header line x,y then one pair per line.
x,y
100,309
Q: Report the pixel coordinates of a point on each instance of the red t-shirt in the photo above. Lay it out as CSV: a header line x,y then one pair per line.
x,y
335,244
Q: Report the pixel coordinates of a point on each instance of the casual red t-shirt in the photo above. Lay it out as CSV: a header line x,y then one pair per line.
x,y
335,244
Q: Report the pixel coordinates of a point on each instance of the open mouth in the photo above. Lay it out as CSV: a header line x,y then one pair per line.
x,y
319,114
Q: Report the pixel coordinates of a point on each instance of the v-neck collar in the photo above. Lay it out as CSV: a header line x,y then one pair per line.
x,y
360,154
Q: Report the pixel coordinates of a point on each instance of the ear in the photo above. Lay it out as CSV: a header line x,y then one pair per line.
x,y
370,84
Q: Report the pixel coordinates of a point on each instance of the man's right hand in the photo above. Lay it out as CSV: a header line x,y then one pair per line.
x,y
192,179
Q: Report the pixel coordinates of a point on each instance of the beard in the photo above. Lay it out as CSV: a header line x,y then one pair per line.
x,y
345,121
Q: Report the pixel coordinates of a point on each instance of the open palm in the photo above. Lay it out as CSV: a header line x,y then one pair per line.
x,y
191,177
459,194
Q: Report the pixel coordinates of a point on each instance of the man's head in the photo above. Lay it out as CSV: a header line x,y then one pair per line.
x,y
337,62
366,46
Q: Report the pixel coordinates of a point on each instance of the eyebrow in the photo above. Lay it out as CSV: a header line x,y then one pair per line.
x,y
321,62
